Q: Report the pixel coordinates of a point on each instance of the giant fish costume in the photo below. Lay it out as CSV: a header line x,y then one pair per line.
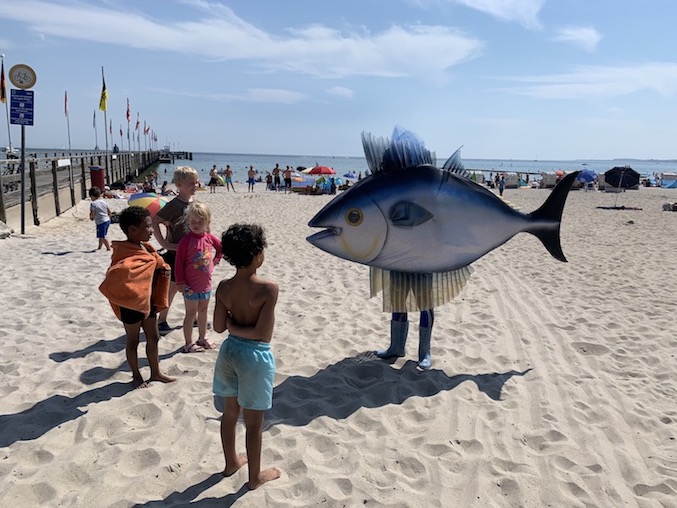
x,y
410,216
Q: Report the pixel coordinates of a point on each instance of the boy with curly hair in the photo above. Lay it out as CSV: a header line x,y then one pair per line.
x,y
245,368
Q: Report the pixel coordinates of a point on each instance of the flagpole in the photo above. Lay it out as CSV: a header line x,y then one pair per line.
x,y
129,116
96,134
105,120
70,154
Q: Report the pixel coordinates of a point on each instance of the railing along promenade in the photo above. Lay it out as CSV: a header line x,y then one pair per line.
x,y
48,190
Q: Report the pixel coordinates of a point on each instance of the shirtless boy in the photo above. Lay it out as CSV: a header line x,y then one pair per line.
x,y
245,369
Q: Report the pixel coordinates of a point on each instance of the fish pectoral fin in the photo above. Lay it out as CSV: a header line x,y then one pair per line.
x,y
407,213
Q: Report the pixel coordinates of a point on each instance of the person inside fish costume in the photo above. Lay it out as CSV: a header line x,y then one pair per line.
x,y
419,228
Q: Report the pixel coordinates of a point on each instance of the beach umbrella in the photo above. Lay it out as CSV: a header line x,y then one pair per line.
x,y
321,170
149,200
350,174
587,175
622,177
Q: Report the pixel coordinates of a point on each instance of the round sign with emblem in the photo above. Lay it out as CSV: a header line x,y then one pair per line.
x,y
22,76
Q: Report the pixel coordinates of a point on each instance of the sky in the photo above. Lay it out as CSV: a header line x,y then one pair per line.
x,y
503,79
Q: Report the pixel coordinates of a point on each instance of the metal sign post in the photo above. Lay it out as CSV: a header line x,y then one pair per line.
x,y
21,113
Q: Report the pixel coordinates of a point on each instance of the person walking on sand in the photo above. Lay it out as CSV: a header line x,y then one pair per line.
x,y
100,214
197,253
228,173
276,176
287,179
171,217
501,185
245,368
213,179
137,285
251,179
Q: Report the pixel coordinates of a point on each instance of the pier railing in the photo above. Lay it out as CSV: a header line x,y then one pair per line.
x,y
48,176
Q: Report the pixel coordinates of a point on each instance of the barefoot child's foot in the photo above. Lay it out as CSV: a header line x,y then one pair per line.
x,y
233,468
138,382
206,344
266,475
162,378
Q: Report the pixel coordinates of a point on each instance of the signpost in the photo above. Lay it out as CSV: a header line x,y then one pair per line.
x,y
21,113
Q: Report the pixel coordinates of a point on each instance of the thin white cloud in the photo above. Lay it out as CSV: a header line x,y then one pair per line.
x,y
273,95
524,12
215,32
597,82
586,38
269,95
341,91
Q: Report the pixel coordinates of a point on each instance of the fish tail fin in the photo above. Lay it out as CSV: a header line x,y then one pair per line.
x,y
551,212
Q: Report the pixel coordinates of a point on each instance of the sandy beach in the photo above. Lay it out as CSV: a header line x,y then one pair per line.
x,y
553,384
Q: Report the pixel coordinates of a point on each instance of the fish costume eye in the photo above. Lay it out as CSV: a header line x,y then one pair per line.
x,y
354,217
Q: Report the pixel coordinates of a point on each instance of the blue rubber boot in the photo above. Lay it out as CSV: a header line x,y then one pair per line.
x,y
424,360
398,340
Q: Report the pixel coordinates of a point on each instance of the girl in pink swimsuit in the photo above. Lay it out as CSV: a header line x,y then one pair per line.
x,y
197,253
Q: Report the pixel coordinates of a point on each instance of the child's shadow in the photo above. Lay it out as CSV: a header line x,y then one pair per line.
x,y
52,412
97,373
186,497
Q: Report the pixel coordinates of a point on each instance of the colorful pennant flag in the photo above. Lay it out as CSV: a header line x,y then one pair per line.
x,y
129,112
65,103
94,121
110,127
136,128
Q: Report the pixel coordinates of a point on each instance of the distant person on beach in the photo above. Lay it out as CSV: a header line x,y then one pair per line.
x,y
287,179
165,190
171,217
245,368
501,185
100,214
269,181
213,179
197,253
251,179
276,176
137,285
229,178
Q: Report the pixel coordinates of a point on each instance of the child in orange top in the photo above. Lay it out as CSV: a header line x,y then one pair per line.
x,y
136,285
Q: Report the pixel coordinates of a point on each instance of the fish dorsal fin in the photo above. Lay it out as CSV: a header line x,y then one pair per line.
x,y
408,214
455,166
404,150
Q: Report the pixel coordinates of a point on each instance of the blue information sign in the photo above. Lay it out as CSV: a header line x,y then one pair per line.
x,y
21,107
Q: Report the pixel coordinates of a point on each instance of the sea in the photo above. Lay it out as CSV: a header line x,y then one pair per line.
x,y
240,163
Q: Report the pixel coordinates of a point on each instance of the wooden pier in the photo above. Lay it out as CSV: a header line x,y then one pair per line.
x,y
48,177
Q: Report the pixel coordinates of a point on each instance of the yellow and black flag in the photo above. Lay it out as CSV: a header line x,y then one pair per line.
x,y
104,94
3,86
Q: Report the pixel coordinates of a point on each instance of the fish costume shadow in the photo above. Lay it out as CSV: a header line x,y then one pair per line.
x,y
343,388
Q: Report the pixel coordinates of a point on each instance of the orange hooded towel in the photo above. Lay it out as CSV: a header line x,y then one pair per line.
x,y
130,280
